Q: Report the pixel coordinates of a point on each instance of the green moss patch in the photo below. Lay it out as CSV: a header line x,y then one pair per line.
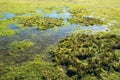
x,y
90,55
40,23
4,31
34,70
7,32
20,45
81,16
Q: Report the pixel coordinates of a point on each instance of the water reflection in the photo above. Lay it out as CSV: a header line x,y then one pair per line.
x,y
49,36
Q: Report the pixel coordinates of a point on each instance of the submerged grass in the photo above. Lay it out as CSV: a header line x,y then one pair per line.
x,y
20,45
88,55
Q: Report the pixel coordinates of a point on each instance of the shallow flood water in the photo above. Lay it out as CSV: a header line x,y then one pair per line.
x,y
49,36
43,38
64,14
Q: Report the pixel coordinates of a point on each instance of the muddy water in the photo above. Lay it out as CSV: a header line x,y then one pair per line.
x,y
41,38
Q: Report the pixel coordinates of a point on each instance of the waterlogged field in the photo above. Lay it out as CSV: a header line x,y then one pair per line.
x,y
59,40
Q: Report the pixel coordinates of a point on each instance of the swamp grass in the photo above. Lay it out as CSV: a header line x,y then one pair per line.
x,y
7,32
92,55
76,59
37,69
37,21
20,45
82,17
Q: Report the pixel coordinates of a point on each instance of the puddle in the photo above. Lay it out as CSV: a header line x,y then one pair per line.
x,y
7,16
39,11
13,27
95,28
54,14
64,14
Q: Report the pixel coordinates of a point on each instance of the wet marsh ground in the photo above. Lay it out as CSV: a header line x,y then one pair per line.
x,y
77,40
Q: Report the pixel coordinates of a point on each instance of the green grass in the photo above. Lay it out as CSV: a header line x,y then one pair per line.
x,y
37,70
6,32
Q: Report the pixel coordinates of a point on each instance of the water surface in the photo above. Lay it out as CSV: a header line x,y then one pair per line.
x,y
7,16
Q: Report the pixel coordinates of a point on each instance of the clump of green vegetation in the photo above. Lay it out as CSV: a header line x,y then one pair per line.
x,y
105,76
7,32
117,52
88,55
4,31
110,76
37,69
20,45
41,23
80,16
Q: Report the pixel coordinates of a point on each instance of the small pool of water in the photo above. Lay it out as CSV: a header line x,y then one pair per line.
x,y
64,15
95,28
39,11
7,16
13,27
